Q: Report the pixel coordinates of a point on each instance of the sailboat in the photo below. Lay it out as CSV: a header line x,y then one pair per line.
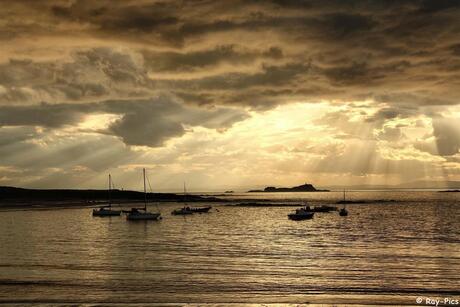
x,y
137,214
107,210
343,211
186,210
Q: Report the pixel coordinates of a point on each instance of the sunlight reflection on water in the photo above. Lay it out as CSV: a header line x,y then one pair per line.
x,y
387,253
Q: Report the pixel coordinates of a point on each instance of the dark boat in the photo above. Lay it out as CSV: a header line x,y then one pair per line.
x,y
322,208
343,212
139,214
301,214
186,210
182,211
201,209
107,210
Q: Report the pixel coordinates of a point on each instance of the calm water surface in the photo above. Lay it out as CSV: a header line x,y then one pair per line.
x,y
386,253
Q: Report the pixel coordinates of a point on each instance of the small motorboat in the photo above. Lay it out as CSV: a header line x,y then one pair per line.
x,y
303,213
182,211
201,209
323,208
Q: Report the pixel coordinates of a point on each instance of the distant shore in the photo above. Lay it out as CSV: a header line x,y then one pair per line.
x,y
19,198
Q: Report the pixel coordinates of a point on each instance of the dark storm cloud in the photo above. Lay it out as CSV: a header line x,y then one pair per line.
x,y
363,47
88,74
269,76
116,16
196,60
151,123
142,122
404,55
44,115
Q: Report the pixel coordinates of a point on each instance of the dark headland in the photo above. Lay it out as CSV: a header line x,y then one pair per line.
x,y
20,197
301,188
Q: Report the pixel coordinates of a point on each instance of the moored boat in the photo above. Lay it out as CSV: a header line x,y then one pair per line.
x,y
186,210
107,210
182,211
343,212
323,208
201,209
137,214
303,213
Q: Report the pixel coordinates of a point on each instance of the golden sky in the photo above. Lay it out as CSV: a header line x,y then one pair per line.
x,y
228,94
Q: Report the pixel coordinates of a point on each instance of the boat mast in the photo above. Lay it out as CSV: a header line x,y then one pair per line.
x,y
110,190
185,195
145,193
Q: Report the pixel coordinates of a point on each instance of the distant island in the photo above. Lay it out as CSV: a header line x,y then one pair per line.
x,y
450,191
301,188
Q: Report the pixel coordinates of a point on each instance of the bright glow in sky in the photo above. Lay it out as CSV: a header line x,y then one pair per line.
x,y
257,93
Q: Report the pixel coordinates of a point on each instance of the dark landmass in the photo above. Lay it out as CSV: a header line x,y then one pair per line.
x,y
229,191
450,191
343,202
301,188
11,196
254,204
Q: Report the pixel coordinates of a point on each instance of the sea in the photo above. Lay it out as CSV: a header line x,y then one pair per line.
x,y
397,248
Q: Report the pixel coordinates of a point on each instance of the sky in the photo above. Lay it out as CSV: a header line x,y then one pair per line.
x,y
228,94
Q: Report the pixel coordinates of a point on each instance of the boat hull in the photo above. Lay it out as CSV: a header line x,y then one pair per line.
x,y
201,210
104,212
300,217
323,209
141,216
181,212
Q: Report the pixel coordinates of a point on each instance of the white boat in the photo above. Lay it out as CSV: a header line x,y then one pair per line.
x,y
107,210
137,214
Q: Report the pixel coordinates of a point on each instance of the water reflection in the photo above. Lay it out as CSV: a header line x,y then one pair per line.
x,y
387,253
